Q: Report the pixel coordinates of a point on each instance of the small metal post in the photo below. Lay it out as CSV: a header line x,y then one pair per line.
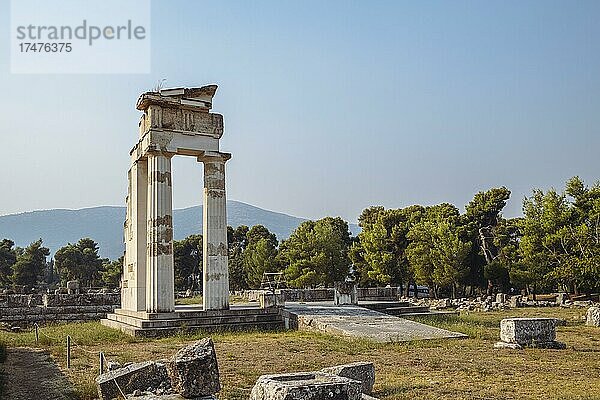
x,y
37,334
68,351
101,363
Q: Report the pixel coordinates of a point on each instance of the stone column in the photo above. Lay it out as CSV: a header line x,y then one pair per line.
x,y
134,268
160,290
214,231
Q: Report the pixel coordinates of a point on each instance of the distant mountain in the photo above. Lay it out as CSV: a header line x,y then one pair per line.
x,y
105,225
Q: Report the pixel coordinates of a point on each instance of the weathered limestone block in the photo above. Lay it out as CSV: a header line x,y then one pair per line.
x,y
532,332
194,370
500,298
515,301
344,293
305,386
138,376
561,298
73,287
593,316
268,300
363,372
527,330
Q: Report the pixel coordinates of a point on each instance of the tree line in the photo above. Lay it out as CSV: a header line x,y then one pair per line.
x,y
554,246
29,266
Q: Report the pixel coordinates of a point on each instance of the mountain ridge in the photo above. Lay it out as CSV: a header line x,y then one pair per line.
x,y
104,224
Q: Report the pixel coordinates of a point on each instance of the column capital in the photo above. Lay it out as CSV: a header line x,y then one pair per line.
x,y
214,156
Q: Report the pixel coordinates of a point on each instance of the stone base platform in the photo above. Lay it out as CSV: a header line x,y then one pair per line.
x,y
359,321
194,318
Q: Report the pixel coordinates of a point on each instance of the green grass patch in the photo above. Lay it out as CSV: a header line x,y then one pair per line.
x,y
428,369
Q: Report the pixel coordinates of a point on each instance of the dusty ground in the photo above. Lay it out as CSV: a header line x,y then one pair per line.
x,y
438,369
32,374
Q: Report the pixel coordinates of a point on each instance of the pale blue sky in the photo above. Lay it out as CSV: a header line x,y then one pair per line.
x,y
329,106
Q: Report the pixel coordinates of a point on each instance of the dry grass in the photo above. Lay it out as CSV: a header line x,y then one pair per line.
x,y
449,369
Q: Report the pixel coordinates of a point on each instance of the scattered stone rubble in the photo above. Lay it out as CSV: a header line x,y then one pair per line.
x,y
190,374
193,373
516,333
496,302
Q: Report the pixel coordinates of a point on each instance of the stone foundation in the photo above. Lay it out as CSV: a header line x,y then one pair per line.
x,y
23,310
190,319
327,294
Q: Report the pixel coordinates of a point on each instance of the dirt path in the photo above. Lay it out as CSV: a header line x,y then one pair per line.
x,y
31,374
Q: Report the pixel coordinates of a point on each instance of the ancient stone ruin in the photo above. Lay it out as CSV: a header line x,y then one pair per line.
x,y
516,333
305,386
190,373
193,373
343,382
174,122
364,372
177,122
20,310
345,293
593,316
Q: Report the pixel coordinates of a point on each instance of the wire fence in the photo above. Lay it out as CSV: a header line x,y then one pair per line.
x,y
102,360
71,344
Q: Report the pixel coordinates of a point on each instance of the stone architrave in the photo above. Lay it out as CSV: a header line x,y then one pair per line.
x,y
174,122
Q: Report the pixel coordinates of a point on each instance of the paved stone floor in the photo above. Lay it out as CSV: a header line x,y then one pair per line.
x,y
360,322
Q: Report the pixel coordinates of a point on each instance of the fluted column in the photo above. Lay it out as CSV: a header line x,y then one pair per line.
x,y
214,231
160,295
133,295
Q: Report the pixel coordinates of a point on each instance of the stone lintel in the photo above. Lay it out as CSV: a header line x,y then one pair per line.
x,y
175,143
190,98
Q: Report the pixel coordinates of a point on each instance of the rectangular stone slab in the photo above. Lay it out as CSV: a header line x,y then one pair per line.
x,y
305,386
526,331
138,376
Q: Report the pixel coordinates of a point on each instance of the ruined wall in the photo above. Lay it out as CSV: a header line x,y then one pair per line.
x,y
26,309
326,294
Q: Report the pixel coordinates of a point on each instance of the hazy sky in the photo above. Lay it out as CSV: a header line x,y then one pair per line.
x,y
330,106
